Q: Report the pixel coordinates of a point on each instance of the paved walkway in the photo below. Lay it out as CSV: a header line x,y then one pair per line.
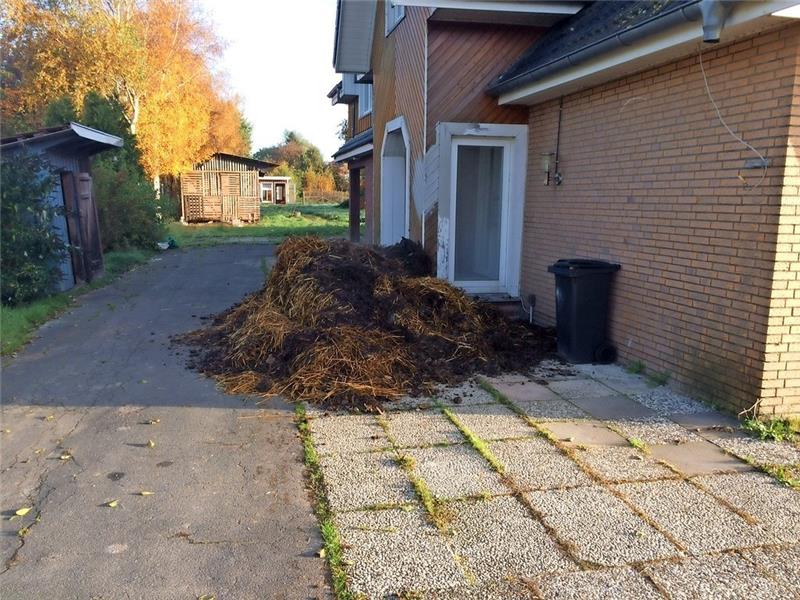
x,y
229,515
589,484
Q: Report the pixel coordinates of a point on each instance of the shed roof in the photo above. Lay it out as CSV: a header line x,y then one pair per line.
x,y
261,165
71,138
595,23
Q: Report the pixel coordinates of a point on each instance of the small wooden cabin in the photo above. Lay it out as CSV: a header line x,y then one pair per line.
x,y
224,188
277,189
68,150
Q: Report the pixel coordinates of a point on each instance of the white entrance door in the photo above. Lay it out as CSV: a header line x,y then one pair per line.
x,y
479,213
394,185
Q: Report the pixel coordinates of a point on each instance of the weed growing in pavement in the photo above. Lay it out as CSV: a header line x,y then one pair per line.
x,y
778,430
438,513
659,378
636,367
639,445
332,544
480,446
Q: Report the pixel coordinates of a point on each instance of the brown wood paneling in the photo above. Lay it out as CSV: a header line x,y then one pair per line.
x,y
462,60
72,215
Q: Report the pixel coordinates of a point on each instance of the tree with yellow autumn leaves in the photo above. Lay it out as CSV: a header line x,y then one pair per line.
x,y
154,59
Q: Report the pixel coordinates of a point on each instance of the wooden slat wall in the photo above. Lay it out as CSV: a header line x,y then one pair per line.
x,y
462,60
357,125
398,68
220,196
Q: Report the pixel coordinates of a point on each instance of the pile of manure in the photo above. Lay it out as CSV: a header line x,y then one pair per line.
x,y
344,325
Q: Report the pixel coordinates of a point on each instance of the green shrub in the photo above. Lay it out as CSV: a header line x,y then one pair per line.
x,y
30,249
126,206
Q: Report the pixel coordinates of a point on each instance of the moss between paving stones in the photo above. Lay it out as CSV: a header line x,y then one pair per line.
x,y
348,434
455,472
492,422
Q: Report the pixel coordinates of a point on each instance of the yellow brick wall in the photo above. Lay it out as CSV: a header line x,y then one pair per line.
x,y
780,388
652,181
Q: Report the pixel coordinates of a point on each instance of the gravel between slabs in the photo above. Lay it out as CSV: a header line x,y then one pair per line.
x,y
782,563
455,472
498,539
694,518
608,584
655,430
775,506
725,576
666,402
422,428
760,451
601,527
361,480
393,551
536,465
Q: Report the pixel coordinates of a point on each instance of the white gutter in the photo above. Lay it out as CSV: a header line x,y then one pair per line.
x,y
520,6
650,51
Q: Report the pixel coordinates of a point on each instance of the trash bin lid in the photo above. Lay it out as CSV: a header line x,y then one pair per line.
x,y
575,267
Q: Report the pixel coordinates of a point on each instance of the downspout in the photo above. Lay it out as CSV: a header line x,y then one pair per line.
x,y
714,13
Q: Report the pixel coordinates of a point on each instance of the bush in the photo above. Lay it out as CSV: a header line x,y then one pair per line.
x,y
30,249
126,207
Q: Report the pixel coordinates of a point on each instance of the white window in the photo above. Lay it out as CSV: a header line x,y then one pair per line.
x,y
364,99
394,14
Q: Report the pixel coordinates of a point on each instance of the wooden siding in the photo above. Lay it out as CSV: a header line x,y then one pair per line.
x,y
220,196
224,163
356,125
398,67
462,60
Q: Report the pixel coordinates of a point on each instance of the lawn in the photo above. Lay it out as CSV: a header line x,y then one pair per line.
x,y
18,323
276,224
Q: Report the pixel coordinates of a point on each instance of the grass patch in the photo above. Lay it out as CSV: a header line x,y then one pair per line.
x,y
658,378
639,445
18,323
277,223
331,542
786,474
475,441
636,367
439,515
778,430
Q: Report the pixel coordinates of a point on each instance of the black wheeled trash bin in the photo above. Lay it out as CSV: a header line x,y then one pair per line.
x,y
582,289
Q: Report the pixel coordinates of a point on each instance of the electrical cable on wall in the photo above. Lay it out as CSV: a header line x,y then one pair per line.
x,y
729,130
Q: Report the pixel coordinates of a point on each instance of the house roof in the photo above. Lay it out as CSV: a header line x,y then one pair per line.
x,y
261,165
352,41
355,146
70,138
596,23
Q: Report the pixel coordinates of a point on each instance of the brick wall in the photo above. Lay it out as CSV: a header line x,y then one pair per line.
x,y
653,181
780,388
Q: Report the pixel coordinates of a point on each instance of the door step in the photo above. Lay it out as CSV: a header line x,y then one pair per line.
x,y
510,306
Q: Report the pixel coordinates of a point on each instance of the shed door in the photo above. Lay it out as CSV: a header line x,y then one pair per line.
x,y
90,227
72,215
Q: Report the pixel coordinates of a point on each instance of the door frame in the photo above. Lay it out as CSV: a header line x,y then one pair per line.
x,y
499,285
516,136
396,124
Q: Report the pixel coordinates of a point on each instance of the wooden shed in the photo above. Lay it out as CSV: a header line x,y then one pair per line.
x,y
224,188
68,149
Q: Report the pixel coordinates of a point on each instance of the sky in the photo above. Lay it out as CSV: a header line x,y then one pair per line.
x,y
279,62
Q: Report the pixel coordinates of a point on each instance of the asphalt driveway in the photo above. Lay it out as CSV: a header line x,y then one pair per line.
x,y
100,408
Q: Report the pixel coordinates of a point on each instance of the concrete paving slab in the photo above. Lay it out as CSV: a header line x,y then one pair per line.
x,y
347,434
722,576
783,564
524,391
694,518
592,433
390,552
493,422
466,394
617,378
455,471
493,590
586,389
555,370
229,515
756,450
602,584
655,430
614,407
422,428
600,527
775,506
701,421
666,401
697,458
354,481
498,539
552,410
536,465
622,463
